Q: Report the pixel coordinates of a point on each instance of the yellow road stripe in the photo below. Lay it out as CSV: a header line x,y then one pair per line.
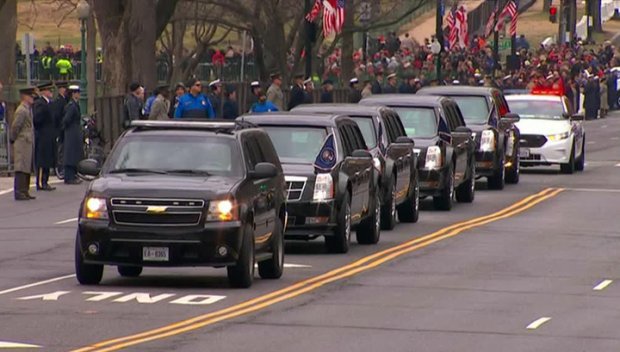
x,y
318,281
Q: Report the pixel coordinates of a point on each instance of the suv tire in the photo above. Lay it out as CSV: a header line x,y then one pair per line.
x,y
466,192
445,200
339,241
86,274
273,267
409,211
514,172
369,231
241,274
388,210
129,271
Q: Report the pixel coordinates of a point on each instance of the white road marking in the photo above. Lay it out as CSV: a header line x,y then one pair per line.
x,y
6,344
601,190
194,300
293,266
66,221
602,285
618,165
537,323
142,297
10,190
35,284
615,138
591,142
52,296
604,126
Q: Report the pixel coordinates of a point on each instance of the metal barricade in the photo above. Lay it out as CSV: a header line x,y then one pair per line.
x,y
5,148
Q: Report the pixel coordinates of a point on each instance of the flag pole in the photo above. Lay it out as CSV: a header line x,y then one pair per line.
x,y
513,38
440,38
308,40
496,37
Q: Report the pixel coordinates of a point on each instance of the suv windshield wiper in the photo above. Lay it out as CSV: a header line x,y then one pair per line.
x,y
189,172
136,170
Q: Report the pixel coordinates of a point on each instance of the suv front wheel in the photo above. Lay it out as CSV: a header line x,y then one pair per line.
x,y
87,274
339,241
273,267
241,274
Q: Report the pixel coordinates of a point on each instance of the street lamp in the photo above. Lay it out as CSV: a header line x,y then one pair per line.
x,y
83,11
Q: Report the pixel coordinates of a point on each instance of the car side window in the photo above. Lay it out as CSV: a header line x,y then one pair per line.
x,y
268,151
346,141
359,137
453,116
394,132
398,125
253,152
443,123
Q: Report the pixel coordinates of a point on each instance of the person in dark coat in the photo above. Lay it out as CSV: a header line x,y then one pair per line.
x,y
390,87
231,107
58,107
179,91
327,92
215,97
297,96
308,91
355,94
377,84
44,137
408,86
74,142
591,98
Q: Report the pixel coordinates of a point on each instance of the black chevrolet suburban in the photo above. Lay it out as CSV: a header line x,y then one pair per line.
x,y
181,193
392,153
447,165
333,184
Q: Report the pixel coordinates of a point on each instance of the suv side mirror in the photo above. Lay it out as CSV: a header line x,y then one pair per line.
x,y
264,170
511,117
463,129
361,153
578,117
405,140
89,167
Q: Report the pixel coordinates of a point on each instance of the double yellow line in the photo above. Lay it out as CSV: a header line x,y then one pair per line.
x,y
314,283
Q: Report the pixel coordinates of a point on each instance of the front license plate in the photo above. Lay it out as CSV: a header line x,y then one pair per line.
x,y
524,153
155,254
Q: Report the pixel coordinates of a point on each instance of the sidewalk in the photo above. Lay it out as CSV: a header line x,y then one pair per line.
x,y
6,184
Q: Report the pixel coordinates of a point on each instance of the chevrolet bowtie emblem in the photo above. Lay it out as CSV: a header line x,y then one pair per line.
x,y
156,210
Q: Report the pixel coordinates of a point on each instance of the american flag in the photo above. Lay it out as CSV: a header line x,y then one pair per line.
x,y
452,30
314,13
333,16
490,24
461,23
509,11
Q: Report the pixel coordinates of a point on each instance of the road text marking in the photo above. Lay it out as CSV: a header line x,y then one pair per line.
x,y
122,297
602,285
66,221
537,323
40,283
6,344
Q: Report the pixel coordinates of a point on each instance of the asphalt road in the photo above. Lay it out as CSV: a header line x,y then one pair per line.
x,y
530,268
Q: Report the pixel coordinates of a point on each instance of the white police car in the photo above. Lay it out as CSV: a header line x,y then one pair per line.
x,y
551,133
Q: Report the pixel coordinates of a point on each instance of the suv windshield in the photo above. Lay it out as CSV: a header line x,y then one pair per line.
x,y
475,109
188,155
537,109
295,144
418,122
367,127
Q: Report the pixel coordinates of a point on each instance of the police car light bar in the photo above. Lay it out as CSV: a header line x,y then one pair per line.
x,y
185,124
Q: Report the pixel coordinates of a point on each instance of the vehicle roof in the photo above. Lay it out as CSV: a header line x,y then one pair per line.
x,y
181,132
457,90
342,109
293,118
404,100
534,97
185,127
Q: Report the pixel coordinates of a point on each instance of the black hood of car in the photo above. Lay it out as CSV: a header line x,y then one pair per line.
x,y
163,186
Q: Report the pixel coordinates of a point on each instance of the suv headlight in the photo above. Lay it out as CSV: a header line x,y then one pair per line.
x,y
95,208
487,141
222,210
559,136
323,187
433,157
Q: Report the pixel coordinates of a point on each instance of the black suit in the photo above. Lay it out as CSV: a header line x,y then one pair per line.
x,y
297,97
44,140
376,87
74,142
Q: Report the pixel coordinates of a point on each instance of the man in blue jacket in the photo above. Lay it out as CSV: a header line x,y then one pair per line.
x,y
194,105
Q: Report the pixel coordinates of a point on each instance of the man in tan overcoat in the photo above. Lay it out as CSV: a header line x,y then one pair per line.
x,y
22,139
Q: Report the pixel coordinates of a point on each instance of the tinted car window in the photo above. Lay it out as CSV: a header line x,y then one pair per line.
x,y
419,122
296,144
475,109
212,154
367,126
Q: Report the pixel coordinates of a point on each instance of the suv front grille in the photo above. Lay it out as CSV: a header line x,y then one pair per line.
x,y
157,212
532,140
295,187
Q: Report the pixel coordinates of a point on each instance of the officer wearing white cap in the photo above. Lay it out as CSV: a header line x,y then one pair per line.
x,y
297,96
215,97
308,91
355,94
390,87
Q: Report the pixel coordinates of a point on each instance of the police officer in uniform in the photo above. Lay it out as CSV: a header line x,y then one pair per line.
x,y
215,97
308,91
297,96
194,104
21,137
355,95
74,142
44,137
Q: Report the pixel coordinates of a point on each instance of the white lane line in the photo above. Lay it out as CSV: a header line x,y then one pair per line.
x,y
604,126
537,323
6,344
615,138
591,142
601,190
618,165
35,284
292,266
66,221
10,190
602,285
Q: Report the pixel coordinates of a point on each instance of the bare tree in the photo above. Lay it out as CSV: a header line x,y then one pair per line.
x,y
8,33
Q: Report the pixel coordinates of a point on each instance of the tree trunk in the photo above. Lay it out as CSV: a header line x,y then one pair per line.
x,y
8,33
547,5
91,61
597,24
142,31
259,56
347,43
178,57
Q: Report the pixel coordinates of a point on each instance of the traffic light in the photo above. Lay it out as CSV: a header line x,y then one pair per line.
x,y
553,14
